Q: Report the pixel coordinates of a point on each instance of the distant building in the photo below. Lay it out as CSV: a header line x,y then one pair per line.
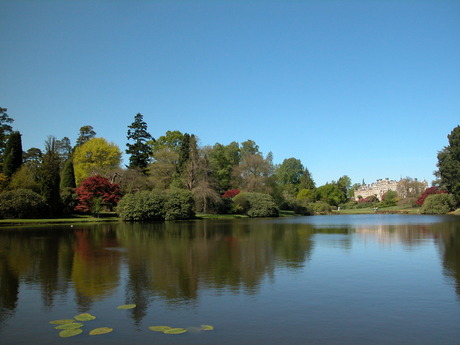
x,y
379,188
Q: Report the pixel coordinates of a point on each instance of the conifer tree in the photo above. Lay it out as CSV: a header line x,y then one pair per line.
x,y
86,133
449,165
5,130
68,175
50,177
139,150
13,154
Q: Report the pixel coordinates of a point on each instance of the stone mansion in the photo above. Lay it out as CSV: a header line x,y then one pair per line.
x,y
378,188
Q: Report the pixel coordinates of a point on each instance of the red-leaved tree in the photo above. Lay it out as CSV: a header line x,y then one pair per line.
x,y
231,193
429,191
95,187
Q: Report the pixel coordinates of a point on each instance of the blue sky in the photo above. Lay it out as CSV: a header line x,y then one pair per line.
x,y
368,89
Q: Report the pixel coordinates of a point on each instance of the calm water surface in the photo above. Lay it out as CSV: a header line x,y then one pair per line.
x,y
368,279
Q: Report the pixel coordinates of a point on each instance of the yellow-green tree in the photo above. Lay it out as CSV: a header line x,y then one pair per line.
x,y
96,156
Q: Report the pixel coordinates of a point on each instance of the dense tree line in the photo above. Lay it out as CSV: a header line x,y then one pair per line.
x,y
222,178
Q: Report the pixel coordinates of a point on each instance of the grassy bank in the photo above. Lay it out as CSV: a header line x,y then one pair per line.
x,y
68,220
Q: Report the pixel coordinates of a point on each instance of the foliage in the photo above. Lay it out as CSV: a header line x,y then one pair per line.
x,y
390,198
156,205
306,195
68,200
64,149
231,193
289,175
429,191
13,154
438,204
331,194
171,140
252,173
97,187
223,159
142,206
68,175
449,165
50,177
21,203
298,206
86,133
408,202
320,207
410,188
133,180
179,204
256,204
5,130
140,150
25,178
95,156
164,170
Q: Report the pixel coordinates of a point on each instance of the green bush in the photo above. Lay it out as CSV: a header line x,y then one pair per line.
x,y
179,205
256,205
145,205
156,205
438,204
320,207
21,203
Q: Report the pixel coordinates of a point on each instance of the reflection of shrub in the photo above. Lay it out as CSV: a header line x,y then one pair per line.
x,y
156,205
21,203
256,205
438,204
320,207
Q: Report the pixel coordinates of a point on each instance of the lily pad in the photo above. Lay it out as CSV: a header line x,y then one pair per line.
x,y
61,322
100,330
70,325
207,328
126,306
84,317
175,331
159,328
70,332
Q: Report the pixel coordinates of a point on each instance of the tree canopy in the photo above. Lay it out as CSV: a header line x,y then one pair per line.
x,y
95,156
139,149
449,165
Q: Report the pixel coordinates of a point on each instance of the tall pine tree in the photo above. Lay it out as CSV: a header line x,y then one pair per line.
x,y
50,177
139,150
5,130
68,175
13,154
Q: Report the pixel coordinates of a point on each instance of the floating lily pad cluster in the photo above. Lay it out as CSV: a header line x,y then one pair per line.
x,y
172,330
70,328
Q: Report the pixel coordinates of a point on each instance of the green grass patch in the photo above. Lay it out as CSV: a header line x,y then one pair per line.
x,y
68,220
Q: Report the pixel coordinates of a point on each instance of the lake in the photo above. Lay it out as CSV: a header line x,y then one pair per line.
x,y
354,279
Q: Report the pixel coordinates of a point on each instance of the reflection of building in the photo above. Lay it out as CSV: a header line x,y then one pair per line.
x,y
379,188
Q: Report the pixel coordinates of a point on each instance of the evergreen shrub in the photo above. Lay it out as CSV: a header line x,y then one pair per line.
x,y
21,203
320,207
256,205
438,204
156,205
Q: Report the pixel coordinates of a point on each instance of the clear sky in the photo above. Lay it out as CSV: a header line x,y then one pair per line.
x,y
368,89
